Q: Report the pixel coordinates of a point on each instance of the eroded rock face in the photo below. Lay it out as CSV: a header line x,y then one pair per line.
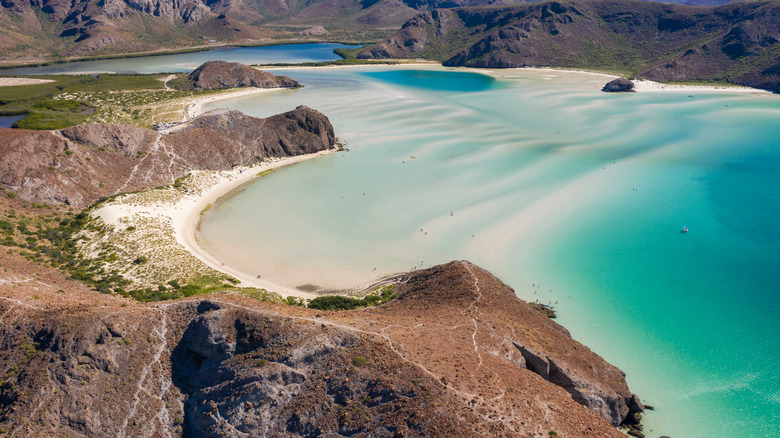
x,y
441,360
619,85
78,165
217,75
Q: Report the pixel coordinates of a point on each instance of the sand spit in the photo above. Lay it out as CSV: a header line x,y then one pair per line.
x,y
15,82
641,85
196,107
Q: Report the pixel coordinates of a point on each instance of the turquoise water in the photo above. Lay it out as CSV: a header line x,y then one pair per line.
x,y
186,62
544,180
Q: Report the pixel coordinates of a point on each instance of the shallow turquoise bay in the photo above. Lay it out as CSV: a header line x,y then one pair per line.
x,y
540,168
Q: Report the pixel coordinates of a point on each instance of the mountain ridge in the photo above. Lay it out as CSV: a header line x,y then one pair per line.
x,y
42,30
735,43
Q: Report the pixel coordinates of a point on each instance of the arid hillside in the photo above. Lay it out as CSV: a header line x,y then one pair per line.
x,y
81,164
457,355
32,30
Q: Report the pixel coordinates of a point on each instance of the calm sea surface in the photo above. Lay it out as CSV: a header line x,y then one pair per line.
x,y
186,62
573,197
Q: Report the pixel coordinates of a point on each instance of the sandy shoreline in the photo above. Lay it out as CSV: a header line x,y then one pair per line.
x,y
187,213
196,107
641,85
183,213
15,82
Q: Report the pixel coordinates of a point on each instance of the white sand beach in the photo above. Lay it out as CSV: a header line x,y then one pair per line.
x,y
183,213
196,107
15,82
597,79
186,214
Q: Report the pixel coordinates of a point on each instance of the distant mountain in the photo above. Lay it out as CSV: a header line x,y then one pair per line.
x,y
45,29
737,43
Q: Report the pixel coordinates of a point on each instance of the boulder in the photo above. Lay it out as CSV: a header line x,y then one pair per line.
x,y
619,85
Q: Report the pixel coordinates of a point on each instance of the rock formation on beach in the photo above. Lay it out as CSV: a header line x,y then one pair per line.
x,y
457,355
218,75
737,42
78,165
619,85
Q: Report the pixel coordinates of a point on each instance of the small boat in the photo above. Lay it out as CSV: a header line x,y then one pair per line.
x,y
684,230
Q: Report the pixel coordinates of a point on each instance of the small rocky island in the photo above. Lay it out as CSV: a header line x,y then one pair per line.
x,y
218,75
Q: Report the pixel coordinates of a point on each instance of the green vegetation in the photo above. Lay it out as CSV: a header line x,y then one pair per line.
x,y
359,361
337,302
108,98
54,238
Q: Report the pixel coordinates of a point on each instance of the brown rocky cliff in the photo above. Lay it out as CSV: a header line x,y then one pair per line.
x,y
79,165
217,75
440,361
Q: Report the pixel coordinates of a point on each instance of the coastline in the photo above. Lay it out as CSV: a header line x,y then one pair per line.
x,y
183,214
185,217
195,109
641,85
180,214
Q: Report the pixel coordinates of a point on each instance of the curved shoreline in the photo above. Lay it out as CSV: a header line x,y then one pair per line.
x,y
186,215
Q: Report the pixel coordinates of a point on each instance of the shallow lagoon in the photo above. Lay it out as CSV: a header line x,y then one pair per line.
x,y
539,167
531,174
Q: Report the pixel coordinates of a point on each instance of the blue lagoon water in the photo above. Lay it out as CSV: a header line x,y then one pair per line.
x,y
571,196
186,62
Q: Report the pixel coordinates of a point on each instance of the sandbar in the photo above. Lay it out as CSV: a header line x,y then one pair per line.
x,y
14,82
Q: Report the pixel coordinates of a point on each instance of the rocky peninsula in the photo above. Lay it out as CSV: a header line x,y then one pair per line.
x,y
451,352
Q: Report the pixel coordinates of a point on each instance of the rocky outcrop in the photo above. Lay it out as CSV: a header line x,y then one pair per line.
x,y
439,361
81,164
217,75
736,42
619,85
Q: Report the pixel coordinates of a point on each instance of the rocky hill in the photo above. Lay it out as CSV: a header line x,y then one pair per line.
x,y
35,30
78,165
737,43
458,355
217,75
